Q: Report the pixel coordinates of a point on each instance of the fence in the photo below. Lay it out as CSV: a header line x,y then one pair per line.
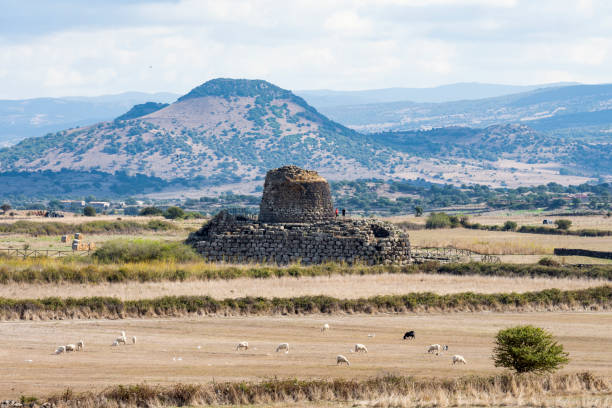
x,y
450,254
582,252
32,253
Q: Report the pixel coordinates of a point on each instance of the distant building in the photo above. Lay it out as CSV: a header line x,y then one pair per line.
x,y
99,205
70,205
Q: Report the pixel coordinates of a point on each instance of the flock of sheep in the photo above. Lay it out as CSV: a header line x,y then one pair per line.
x,y
360,348
244,345
80,346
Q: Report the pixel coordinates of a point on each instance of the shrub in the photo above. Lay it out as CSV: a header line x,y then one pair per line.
x,y
548,261
89,211
142,250
563,224
151,211
5,207
528,348
418,211
173,213
510,226
438,220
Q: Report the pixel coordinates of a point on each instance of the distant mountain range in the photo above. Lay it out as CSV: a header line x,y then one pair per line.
x,y
324,98
583,111
20,119
231,131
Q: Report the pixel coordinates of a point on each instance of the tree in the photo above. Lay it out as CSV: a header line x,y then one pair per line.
x,y
563,224
510,226
89,211
174,213
5,207
576,202
528,348
151,211
438,220
418,211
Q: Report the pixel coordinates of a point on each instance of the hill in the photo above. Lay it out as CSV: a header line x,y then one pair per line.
x,y
224,130
322,98
20,119
577,111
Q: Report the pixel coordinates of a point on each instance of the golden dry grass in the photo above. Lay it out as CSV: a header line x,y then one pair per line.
x,y
505,243
27,352
338,286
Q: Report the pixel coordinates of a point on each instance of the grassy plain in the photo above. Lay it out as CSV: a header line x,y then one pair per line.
x,y
167,350
338,286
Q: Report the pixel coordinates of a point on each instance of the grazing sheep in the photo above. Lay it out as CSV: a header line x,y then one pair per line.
x,y
80,345
434,348
325,327
283,346
360,348
133,339
409,335
60,350
458,359
243,345
121,340
341,359
445,348
115,343
70,347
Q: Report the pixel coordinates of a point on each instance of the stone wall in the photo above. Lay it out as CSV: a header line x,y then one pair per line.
x,y
295,195
226,238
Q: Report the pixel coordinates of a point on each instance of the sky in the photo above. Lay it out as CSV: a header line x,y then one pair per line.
x,y
74,47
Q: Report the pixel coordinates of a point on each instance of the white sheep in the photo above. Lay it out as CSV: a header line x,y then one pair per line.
x,y
458,359
80,345
243,345
283,346
121,340
325,327
341,359
60,349
133,339
434,348
70,347
360,348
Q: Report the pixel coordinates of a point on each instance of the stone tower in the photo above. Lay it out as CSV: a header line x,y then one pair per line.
x,y
294,195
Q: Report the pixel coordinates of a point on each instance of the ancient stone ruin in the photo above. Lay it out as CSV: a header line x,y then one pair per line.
x,y
297,223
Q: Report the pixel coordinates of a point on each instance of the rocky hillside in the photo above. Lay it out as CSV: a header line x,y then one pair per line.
x,y
223,130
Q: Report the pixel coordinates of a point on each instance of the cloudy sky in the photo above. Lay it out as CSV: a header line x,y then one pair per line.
x,y
75,47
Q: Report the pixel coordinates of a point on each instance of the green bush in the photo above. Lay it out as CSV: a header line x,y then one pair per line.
x,y
510,226
89,211
142,250
438,220
174,213
150,211
528,348
563,224
548,261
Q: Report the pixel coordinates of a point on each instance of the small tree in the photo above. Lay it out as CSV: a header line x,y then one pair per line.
x,y
151,211
89,211
418,211
510,226
5,207
438,220
563,224
174,213
528,348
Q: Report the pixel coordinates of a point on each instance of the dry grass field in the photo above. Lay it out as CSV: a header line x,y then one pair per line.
x,y
195,350
505,243
338,286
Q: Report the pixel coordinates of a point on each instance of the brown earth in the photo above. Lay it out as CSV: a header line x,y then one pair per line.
x,y
195,350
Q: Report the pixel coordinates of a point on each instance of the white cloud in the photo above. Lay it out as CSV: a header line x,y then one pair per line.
x,y
303,44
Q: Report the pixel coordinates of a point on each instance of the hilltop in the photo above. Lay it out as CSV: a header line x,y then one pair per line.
x,y
223,130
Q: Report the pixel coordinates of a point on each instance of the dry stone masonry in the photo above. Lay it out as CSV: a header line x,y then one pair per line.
x,y
297,224
294,195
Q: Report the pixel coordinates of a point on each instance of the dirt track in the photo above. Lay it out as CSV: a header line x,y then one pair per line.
x,y
155,358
